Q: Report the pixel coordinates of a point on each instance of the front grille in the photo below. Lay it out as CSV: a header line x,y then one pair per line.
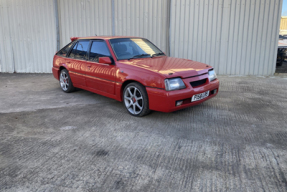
x,y
198,83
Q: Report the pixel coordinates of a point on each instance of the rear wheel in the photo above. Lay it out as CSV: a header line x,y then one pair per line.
x,y
65,81
136,99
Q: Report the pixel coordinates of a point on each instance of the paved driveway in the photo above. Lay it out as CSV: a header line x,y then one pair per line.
x,y
53,141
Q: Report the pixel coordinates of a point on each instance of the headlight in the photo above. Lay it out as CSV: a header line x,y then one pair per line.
x,y
174,84
211,75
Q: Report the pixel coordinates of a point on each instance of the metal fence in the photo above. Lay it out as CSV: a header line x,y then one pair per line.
x,y
237,37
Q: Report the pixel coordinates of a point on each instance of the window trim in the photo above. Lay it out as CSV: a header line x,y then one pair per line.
x,y
131,38
68,55
91,44
76,43
64,48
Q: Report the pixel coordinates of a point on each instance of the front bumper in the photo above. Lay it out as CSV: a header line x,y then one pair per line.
x,y
165,101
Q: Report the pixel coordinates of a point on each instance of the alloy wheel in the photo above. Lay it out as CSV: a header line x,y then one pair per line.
x,y
133,100
64,80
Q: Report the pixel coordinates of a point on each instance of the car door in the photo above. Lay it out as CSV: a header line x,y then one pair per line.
x,y
100,76
77,62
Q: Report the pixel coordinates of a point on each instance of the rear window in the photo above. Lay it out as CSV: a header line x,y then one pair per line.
x,y
80,50
63,52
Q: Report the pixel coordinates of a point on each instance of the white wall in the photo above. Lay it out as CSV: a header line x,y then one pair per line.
x,y
6,51
237,37
80,18
27,35
143,18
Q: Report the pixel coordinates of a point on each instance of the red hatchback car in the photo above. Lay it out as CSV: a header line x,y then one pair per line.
x,y
135,71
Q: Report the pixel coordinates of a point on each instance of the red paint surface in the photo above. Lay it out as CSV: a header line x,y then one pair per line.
x,y
105,60
74,38
108,79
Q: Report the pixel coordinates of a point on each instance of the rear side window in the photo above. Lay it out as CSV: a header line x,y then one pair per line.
x,y
80,50
63,52
99,49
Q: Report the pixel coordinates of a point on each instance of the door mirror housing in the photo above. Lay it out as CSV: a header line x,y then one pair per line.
x,y
105,60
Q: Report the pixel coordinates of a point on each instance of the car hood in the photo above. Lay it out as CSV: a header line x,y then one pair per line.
x,y
170,66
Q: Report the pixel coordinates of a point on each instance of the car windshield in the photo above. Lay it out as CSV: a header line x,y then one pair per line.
x,y
131,48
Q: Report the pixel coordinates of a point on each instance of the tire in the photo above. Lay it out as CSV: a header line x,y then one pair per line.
x,y
135,99
65,81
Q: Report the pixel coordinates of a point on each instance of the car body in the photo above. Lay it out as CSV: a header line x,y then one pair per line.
x,y
114,69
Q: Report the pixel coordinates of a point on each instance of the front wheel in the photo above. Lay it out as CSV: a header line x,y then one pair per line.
x,y
136,99
65,81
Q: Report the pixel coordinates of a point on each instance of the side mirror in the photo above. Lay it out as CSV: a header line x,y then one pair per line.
x,y
105,60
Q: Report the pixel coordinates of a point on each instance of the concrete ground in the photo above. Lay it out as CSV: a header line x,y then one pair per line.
x,y
53,141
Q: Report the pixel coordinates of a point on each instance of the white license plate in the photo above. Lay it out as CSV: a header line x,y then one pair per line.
x,y
200,96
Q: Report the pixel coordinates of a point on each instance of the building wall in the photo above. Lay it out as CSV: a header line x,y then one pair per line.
x,y
6,52
237,37
27,36
283,25
78,18
144,18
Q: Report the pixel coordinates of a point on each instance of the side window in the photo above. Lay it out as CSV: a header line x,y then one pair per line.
x,y
72,54
80,50
99,49
63,52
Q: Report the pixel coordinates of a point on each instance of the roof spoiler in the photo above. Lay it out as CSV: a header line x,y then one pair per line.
x,y
74,38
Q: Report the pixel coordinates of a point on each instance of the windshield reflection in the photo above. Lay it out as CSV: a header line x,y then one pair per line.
x,y
130,48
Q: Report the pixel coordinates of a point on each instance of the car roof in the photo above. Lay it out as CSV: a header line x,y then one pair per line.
x,y
102,37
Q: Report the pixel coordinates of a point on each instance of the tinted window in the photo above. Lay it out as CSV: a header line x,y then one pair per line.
x,y
63,52
99,49
74,50
80,50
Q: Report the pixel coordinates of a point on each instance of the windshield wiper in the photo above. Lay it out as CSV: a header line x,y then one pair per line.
x,y
141,55
157,54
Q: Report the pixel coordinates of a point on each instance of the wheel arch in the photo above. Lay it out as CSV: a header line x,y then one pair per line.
x,y
128,81
60,69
